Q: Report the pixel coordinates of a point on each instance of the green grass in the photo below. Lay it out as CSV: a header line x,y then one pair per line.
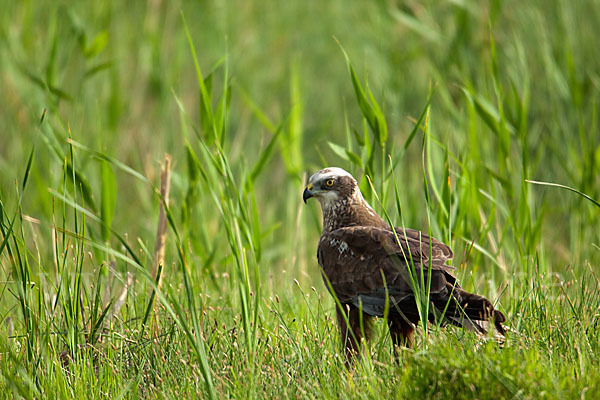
x,y
450,108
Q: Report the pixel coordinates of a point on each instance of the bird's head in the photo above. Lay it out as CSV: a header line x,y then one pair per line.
x,y
330,185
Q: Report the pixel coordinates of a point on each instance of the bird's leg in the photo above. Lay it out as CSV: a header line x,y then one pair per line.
x,y
352,331
402,332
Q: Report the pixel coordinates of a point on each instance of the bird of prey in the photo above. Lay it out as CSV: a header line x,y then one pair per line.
x,y
371,266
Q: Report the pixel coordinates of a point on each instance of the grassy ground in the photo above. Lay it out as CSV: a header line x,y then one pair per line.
x,y
449,107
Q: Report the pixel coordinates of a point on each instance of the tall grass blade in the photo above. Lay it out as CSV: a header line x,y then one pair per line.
x,y
558,185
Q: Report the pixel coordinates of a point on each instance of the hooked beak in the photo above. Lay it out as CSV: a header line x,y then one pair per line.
x,y
307,193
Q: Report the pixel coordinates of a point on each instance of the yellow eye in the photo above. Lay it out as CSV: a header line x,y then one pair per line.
x,y
329,182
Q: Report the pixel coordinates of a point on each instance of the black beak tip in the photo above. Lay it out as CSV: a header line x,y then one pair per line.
x,y
306,195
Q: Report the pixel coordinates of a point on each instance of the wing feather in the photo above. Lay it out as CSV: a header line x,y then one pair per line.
x,y
357,259
368,265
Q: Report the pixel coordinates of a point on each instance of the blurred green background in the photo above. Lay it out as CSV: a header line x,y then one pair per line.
x,y
111,71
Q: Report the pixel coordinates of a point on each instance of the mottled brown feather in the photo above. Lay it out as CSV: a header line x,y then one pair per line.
x,y
354,259
357,259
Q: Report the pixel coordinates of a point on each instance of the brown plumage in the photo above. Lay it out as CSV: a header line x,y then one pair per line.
x,y
367,264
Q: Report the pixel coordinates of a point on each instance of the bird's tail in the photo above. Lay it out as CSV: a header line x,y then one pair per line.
x,y
476,313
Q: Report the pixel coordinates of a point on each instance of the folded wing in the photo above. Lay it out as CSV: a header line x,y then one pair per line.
x,y
367,265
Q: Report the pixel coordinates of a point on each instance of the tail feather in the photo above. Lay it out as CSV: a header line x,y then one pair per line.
x,y
482,328
478,307
473,312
